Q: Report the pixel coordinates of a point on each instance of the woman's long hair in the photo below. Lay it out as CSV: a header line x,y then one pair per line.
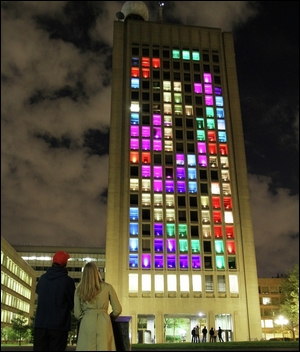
x,y
90,284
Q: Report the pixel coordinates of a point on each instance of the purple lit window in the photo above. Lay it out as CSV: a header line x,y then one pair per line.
x,y
159,261
180,173
157,171
196,263
156,120
171,246
207,77
218,90
146,171
157,133
170,186
180,186
134,144
202,160
169,172
146,144
157,186
209,100
158,229
146,261
179,159
201,148
146,131
171,260
207,88
157,146
198,88
184,262
134,131
158,246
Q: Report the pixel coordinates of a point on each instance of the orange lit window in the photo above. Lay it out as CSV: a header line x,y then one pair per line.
x,y
146,158
145,72
156,63
227,203
134,157
218,232
223,149
229,232
230,247
211,136
145,62
217,217
135,72
216,202
212,149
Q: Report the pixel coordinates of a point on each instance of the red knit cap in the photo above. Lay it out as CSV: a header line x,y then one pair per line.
x,y
61,258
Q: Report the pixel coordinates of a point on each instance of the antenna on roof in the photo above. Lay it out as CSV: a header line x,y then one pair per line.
x,y
160,10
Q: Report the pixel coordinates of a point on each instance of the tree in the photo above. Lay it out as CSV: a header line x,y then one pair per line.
x,y
20,326
289,306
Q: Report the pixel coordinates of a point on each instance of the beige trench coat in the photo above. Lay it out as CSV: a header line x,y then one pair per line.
x,y
96,332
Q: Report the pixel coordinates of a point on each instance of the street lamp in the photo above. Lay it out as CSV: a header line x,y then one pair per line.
x,y
281,321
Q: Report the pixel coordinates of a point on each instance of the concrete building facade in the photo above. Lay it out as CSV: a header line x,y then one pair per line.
x,y
180,241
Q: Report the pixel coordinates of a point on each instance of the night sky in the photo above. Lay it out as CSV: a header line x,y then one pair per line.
x,y
55,115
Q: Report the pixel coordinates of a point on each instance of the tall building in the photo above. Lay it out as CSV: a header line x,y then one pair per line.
x,y
180,245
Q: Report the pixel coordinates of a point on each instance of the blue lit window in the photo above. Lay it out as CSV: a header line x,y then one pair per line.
x,y
192,187
221,125
218,90
192,174
159,261
191,160
133,244
196,262
222,136
158,246
158,229
134,213
133,261
171,262
184,262
134,119
219,101
180,186
220,113
133,229
169,186
135,61
135,83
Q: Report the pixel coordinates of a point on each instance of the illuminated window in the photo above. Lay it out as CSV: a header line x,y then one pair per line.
x,y
134,157
146,171
157,185
168,120
145,72
200,135
146,158
224,162
170,200
197,283
210,113
134,144
133,229
219,101
183,246
157,145
213,162
135,61
145,144
177,86
170,229
171,246
158,245
196,56
156,62
167,109
146,282
157,200
175,54
146,261
195,246
133,244
158,230
168,146
171,262
191,160
170,214
145,185
228,217
181,187
209,100
230,245
135,83
146,199
222,136
134,119
220,113
217,217
133,261
135,107
207,88
134,131
134,184
135,72
207,77
170,186
157,171
159,264
218,231
215,188
229,232
167,97
185,55
158,280
202,160
178,109
158,215
221,125
192,187
168,133
145,62
133,283
206,232
166,85
192,173
156,120
177,98
219,247
179,159
233,284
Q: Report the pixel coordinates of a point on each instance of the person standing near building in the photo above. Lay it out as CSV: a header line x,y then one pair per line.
x,y
204,334
91,303
211,335
194,334
55,290
220,334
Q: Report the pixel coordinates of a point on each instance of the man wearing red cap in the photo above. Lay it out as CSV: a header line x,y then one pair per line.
x,y
55,291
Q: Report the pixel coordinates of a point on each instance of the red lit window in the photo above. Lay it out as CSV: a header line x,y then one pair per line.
x,y
223,149
229,232
145,72
227,203
217,217
135,72
218,232
211,136
156,63
145,62
216,202
230,247
212,149
146,158
134,157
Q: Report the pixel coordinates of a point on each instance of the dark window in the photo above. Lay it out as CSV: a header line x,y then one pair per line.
x,y
176,76
179,147
203,188
214,175
207,262
187,88
145,84
145,52
146,245
189,123
190,148
199,111
193,202
176,65
190,135
216,69
156,74
198,100
231,263
156,96
197,78
146,120
134,171
145,96
178,122
188,99
181,215
203,175
179,134
155,52
196,68
157,159
134,95
166,53
166,64
135,51
215,58
168,159
146,230
207,246
187,77
145,108
134,199
186,66
194,216
146,214
205,57
181,201
217,79
194,231
206,68
166,75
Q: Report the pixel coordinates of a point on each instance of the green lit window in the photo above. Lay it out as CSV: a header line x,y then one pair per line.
x,y
170,230
183,246
182,230
219,247
220,262
209,112
185,54
200,135
196,56
176,54
210,124
195,244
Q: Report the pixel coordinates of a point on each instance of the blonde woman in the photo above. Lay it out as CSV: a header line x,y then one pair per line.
x,y
91,302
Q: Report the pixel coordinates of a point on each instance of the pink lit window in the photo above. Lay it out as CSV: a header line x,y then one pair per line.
x,y
156,120
198,88
207,77
146,172
145,62
146,144
134,157
209,101
146,261
157,171
202,160
180,173
146,132
157,146
156,63
134,144
134,131
146,158
201,148
157,133
230,247
207,88
157,185
135,72
145,72
179,159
